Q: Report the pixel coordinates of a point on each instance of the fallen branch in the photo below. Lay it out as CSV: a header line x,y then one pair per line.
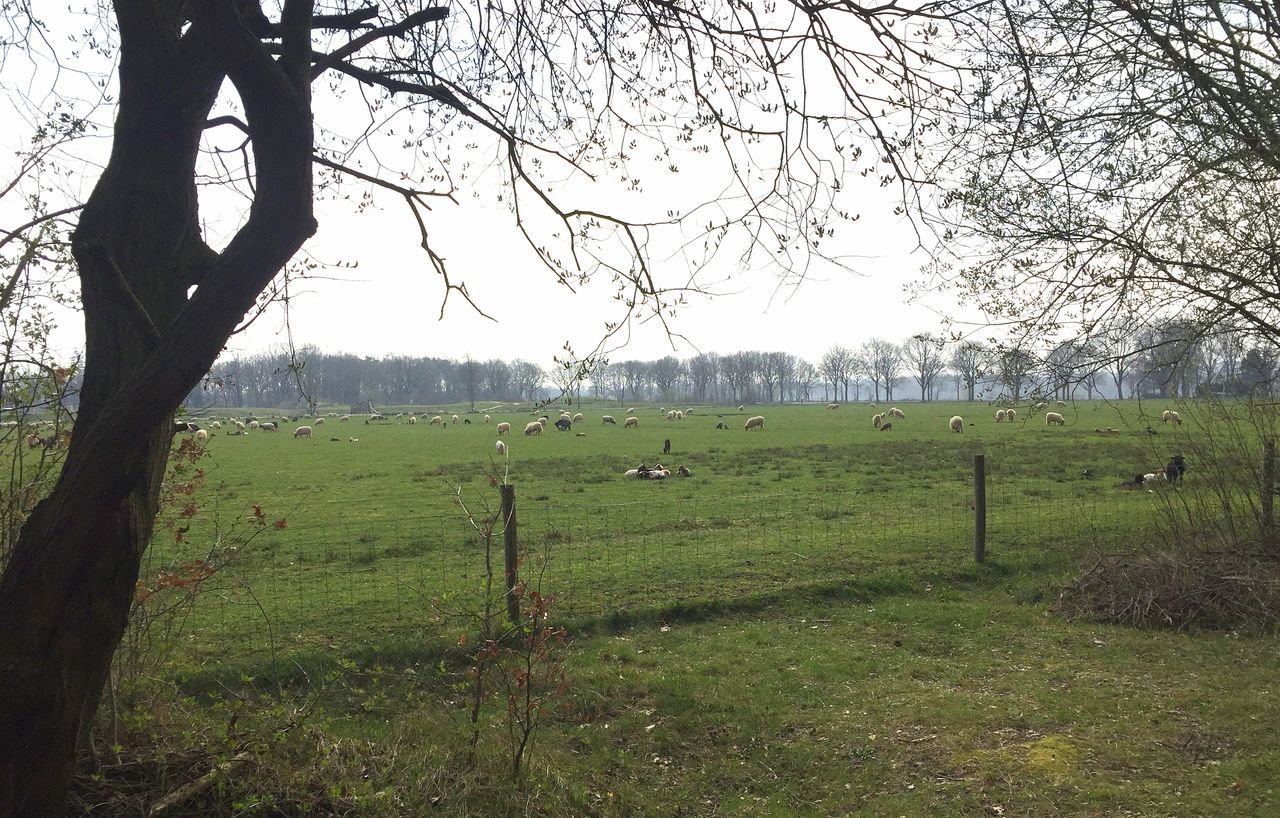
x,y
204,782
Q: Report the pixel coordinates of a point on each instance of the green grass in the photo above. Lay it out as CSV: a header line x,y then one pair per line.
x,y
798,628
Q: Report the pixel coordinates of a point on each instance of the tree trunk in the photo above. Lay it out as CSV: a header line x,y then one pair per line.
x,y
66,592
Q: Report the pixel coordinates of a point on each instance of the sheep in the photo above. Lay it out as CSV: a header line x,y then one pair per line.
x,y
487,419
253,424
742,408
679,415
756,422
1165,416
217,424
666,446
833,406
897,413
877,420
543,423
201,435
302,431
501,448
999,416
466,421
632,422
413,420
1011,415
319,421
504,429
344,418
1041,405
608,420
563,424
671,415
533,427
577,417
455,418
1176,418
269,426
335,440
683,471
1053,419
239,425
437,420
631,411
1175,468
353,439
1062,404
956,423
888,427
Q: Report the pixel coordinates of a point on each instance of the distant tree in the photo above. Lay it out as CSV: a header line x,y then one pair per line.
x,y
884,365
738,371
1015,366
664,373
923,356
703,370
527,379
805,377
970,361
497,378
836,365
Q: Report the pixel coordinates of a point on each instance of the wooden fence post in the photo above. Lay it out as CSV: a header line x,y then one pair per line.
x,y
511,551
1268,494
980,508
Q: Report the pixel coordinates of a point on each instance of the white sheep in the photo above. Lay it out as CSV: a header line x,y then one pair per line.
x,y
608,419
502,448
302,431
833,406
217,424
344,418
533,427
455,418
319,421
543,423
239,425
1011,415
577,417
632,422
1062,404
671,415
253,424
756,422
877,419
413,420
1040,406
1176,418
269,426
631,411
504,428
437,420
202,435
999,416
897,413
487,419
956,423
1053,419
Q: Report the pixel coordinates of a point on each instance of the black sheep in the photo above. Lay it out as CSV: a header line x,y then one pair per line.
x,y
1175,468
666,446
563,425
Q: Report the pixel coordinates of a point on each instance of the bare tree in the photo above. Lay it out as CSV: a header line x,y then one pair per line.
x,y
884,364
836,365
970,361
923,353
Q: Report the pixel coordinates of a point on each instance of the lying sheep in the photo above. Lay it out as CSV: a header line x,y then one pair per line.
x,y
502,448
756,422
721,426
956,423
999,416
533,427
1053,419
504,428
302,431
632,422
683,471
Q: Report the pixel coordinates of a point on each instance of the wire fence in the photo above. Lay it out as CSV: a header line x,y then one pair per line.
x,y
371,582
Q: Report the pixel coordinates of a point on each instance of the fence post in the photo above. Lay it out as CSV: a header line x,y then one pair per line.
x,y
980,508
1268,493
511,552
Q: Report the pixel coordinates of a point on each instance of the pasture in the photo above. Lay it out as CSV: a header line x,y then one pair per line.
x,y
798,628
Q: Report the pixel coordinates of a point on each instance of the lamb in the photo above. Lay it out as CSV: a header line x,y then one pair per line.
x,y
608,419
671,415
502,448
1175,468
741,408
466,421
666,446
533,427
999,416
504,429
679,415
1165,416
956,423
413,419
632,422
756,422
1053,419
721,426
888,427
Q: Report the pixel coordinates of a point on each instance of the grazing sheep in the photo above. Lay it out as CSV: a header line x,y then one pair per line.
x,y
877,420
1165,416
683,471
504,429
631,411
632,422
1062,403
437,420
543,423
533,427
1053,419
671,415
897,413
1011,415
269,426
833,406
319,421
756,422
201,435
1176,418
217,424
679,415
253,424
1040,405
302,431
344,418
888,427
577,417
956,423
721,426
608,419
666,446
455,418
1175,468
413,419
502,448
487,419
741,408
563,424
999,416
239,425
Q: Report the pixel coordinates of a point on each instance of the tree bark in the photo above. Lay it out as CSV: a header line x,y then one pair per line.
x,y
66,592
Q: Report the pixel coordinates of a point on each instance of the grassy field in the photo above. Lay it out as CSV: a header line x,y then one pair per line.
x,y
798,628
